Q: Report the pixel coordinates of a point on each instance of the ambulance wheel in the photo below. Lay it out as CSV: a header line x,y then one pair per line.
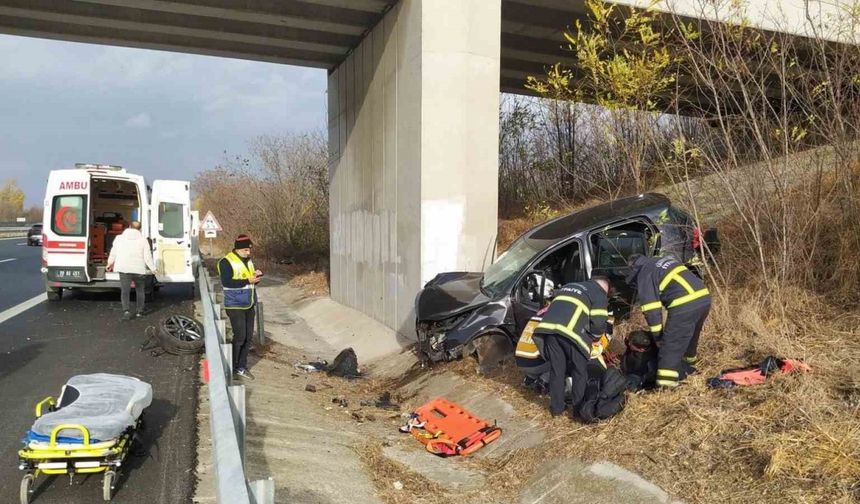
x,y
26,488
54,293
108,484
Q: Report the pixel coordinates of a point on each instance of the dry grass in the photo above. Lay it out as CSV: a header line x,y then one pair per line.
x,y
311,279
384,473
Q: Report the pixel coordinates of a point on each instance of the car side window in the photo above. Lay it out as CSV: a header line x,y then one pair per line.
x,y
613,246
558,268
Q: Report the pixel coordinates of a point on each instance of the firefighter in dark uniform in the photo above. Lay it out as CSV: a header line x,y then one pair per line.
x,y
663,282
575,319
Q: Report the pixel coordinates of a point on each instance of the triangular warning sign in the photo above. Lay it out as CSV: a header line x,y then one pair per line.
x,y
210,223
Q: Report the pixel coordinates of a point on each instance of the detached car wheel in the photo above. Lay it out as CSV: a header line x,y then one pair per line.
x,y
181,335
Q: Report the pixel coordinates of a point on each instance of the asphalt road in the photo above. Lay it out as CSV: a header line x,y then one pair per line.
x,y
42,347
20,278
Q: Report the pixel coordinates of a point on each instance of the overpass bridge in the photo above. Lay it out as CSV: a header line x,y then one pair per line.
x,y
413,105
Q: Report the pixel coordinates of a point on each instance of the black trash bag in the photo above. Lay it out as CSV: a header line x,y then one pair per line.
x,y
344,365
604,395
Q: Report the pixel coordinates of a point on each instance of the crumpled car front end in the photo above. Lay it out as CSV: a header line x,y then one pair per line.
x,y
433,341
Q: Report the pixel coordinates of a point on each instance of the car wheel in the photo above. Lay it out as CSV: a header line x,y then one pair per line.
x,y
491,349
181,335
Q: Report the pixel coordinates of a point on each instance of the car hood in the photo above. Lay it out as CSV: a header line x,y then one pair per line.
x,y
450,294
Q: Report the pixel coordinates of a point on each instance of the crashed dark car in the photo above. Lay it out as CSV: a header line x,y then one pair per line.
x,y
482,314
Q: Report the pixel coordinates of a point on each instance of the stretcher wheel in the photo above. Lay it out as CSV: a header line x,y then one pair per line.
x,y
26,488
108,485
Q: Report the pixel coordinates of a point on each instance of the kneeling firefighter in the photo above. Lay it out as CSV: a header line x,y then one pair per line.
x,y
529,357
666,283
574,320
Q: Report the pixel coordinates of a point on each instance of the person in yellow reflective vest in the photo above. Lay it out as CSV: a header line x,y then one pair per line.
x,y
663,282
239,278
576,318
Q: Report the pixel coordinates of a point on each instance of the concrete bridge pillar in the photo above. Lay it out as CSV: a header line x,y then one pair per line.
x,y
413,146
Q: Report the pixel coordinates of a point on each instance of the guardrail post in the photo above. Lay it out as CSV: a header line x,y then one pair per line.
x,y
263,491
227,355
261,326
222,331
237,393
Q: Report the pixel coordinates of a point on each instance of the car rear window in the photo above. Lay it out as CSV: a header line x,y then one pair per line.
x,y
68,215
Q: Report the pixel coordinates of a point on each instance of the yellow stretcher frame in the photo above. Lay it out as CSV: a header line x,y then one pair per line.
x,y
111,456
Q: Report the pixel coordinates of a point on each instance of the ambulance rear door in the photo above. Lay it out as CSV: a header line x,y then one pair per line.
x,y
170,230
65,226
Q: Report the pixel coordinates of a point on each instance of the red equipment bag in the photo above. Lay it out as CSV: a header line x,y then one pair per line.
x,y
757,375
452,430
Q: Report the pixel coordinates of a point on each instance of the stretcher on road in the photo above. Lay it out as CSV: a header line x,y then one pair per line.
x,y
88,429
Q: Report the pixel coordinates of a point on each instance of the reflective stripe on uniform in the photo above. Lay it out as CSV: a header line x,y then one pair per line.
x,y
673,275
527,355
582,306
656,305
566,332
526,348
689,297
668,373
667,377
691,359
656,328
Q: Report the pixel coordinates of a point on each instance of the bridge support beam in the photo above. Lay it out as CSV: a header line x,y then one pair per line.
x,y
413,143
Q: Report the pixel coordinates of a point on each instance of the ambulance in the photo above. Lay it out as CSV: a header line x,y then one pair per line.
x,y
88,206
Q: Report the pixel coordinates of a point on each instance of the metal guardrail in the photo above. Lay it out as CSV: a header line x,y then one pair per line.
x,y
8,229
227,410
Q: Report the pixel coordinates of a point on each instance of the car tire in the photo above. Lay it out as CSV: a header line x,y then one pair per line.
x,y
180,335
491,349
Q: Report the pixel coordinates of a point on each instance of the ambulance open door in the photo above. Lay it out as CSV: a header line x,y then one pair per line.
x,y
170,230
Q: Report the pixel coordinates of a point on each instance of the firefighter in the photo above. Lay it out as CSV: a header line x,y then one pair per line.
x,y
529,357
576,318
239,278
663,282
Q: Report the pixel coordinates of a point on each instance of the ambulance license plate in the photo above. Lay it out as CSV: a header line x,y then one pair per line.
x,y
67,275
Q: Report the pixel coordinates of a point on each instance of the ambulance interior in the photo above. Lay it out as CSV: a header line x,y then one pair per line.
x,y
114,204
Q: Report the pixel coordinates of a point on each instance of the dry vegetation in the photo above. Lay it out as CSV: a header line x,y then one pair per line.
x,y
279,196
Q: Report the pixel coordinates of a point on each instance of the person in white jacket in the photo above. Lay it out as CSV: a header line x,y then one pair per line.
x,y
131,257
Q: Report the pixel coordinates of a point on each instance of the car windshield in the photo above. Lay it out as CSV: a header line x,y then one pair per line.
x,y
502,273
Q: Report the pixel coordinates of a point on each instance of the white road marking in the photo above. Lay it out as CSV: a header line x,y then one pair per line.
x,y
22,307
6,260
20,244
13,238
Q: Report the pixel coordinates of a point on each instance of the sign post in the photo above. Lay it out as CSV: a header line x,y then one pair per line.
x,y
210,227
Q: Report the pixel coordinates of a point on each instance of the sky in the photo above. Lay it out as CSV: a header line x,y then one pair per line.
x,y
159,114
